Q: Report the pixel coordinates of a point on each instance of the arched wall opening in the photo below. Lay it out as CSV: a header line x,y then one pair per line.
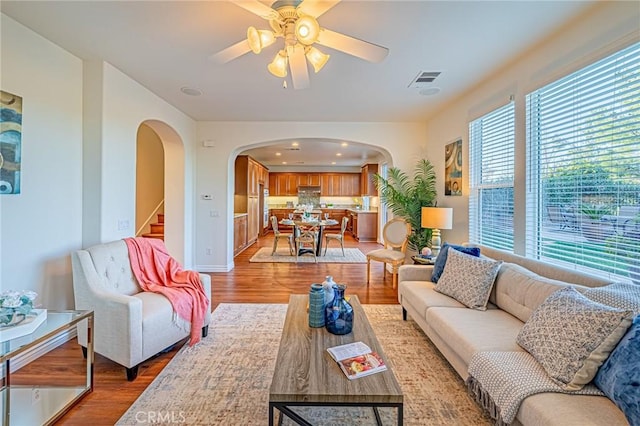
x,y
173,186
384,158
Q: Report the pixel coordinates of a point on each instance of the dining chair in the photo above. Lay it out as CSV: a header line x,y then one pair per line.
x,y
395,234
280,235
306,242
337,237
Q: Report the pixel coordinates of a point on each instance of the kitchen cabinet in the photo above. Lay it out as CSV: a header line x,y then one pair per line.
x,y
239,233
330,185
350,185
364,225
337,215
249,174
254,219
284,184
367,180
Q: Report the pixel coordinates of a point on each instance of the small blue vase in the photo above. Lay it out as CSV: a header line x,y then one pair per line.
x,y
316,306
339,313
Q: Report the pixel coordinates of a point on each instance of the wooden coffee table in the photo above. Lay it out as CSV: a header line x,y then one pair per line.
x,y
306,375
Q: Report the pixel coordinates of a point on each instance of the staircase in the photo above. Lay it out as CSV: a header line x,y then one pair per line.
x,y
157,229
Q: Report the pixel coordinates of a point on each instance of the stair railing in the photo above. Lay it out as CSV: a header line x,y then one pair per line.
x,y
151,217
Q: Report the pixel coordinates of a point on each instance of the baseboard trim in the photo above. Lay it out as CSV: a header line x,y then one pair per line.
x,y
214,268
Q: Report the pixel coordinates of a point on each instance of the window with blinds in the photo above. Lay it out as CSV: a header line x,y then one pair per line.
x,y
583,173
491,158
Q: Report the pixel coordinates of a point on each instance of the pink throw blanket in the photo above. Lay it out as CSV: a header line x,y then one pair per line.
x,y
158,272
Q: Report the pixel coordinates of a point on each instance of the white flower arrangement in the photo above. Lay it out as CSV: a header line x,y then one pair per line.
x,y
15,306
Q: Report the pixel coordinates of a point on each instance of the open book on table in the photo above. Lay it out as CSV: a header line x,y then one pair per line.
x,y
357,360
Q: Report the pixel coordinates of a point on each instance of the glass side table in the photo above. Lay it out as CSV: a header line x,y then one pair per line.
x,y
43,395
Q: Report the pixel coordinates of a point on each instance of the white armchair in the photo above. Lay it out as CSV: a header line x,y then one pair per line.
x,y
131,325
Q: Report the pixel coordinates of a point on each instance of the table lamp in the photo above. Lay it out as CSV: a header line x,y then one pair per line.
x,y
436,218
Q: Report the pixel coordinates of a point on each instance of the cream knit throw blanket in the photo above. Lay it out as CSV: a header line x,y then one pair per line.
x,y
500,381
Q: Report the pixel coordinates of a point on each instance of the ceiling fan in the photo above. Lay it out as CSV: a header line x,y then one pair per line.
x,y
296,22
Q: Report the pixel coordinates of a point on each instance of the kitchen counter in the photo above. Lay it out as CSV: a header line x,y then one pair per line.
x,y
239,214
362,211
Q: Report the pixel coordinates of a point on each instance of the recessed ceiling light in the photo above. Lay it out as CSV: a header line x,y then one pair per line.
x,y
339,154
343,144
278,154
191,91
295,144
333,163
284,162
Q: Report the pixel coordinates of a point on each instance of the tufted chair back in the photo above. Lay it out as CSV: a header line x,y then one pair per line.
x,y
111,263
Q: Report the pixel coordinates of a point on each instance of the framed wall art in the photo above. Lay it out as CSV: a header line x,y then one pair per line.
x,y
453,168
10,142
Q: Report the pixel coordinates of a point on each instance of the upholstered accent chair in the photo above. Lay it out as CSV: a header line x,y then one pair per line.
x,y
131,325
277,236
395,234
337,237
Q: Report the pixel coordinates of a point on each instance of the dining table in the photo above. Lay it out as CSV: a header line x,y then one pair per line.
x,y
310,223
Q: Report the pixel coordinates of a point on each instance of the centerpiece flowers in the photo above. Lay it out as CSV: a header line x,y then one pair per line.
x,y
15,306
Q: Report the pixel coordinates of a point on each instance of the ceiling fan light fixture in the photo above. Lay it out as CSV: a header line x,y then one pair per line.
x,y
278,66
307,30
259,39
316,58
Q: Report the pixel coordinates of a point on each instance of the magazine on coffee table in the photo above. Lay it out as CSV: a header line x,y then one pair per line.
x,y
357,360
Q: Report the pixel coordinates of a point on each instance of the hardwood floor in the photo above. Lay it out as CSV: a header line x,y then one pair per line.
x,y
246,283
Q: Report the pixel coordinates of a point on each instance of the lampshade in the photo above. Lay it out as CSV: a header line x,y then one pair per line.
x,y
259,39
307,30
278,66
316,58
437,217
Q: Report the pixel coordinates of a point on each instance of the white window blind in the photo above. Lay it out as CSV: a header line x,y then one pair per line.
x,y
583,174
491,158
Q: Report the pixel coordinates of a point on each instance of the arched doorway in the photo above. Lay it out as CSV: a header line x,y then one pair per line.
x,y
162,173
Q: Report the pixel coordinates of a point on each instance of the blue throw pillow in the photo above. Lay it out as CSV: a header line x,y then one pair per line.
x,y
619,376
441,260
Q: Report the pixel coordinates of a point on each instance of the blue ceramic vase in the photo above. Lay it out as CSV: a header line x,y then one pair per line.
x,y
339,313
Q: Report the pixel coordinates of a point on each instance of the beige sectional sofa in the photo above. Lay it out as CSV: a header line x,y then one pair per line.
x,y
458,332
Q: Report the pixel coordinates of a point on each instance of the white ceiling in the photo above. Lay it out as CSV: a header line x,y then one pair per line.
x,y
166,45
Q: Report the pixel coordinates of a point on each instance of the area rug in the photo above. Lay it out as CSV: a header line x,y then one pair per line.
x,y
225,379
334,255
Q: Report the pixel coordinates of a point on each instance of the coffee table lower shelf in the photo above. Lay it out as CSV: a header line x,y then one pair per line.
x,y
284,409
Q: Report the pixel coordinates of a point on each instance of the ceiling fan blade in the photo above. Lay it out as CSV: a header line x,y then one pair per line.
x,y
316,8
231,52
353,46
257,8
298,66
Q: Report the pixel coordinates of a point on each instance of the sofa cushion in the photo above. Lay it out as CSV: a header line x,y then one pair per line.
x,y
520,291
468,331
619,376
571,336
422,296
558,409
468,279
619,295
441,260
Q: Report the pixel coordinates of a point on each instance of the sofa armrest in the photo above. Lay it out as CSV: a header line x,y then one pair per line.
x,y
415,273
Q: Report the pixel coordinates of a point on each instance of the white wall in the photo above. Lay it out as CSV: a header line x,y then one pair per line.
x,y
126,105
43,224
404,143
606,28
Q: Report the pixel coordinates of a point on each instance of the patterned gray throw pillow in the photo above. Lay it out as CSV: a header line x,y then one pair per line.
x,y
468,279
571,336
618,295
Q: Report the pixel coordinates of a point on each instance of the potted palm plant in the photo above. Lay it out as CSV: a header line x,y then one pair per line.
x,y
406,197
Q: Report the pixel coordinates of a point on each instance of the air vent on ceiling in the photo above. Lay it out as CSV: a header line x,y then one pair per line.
x,y
294,148
423,78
